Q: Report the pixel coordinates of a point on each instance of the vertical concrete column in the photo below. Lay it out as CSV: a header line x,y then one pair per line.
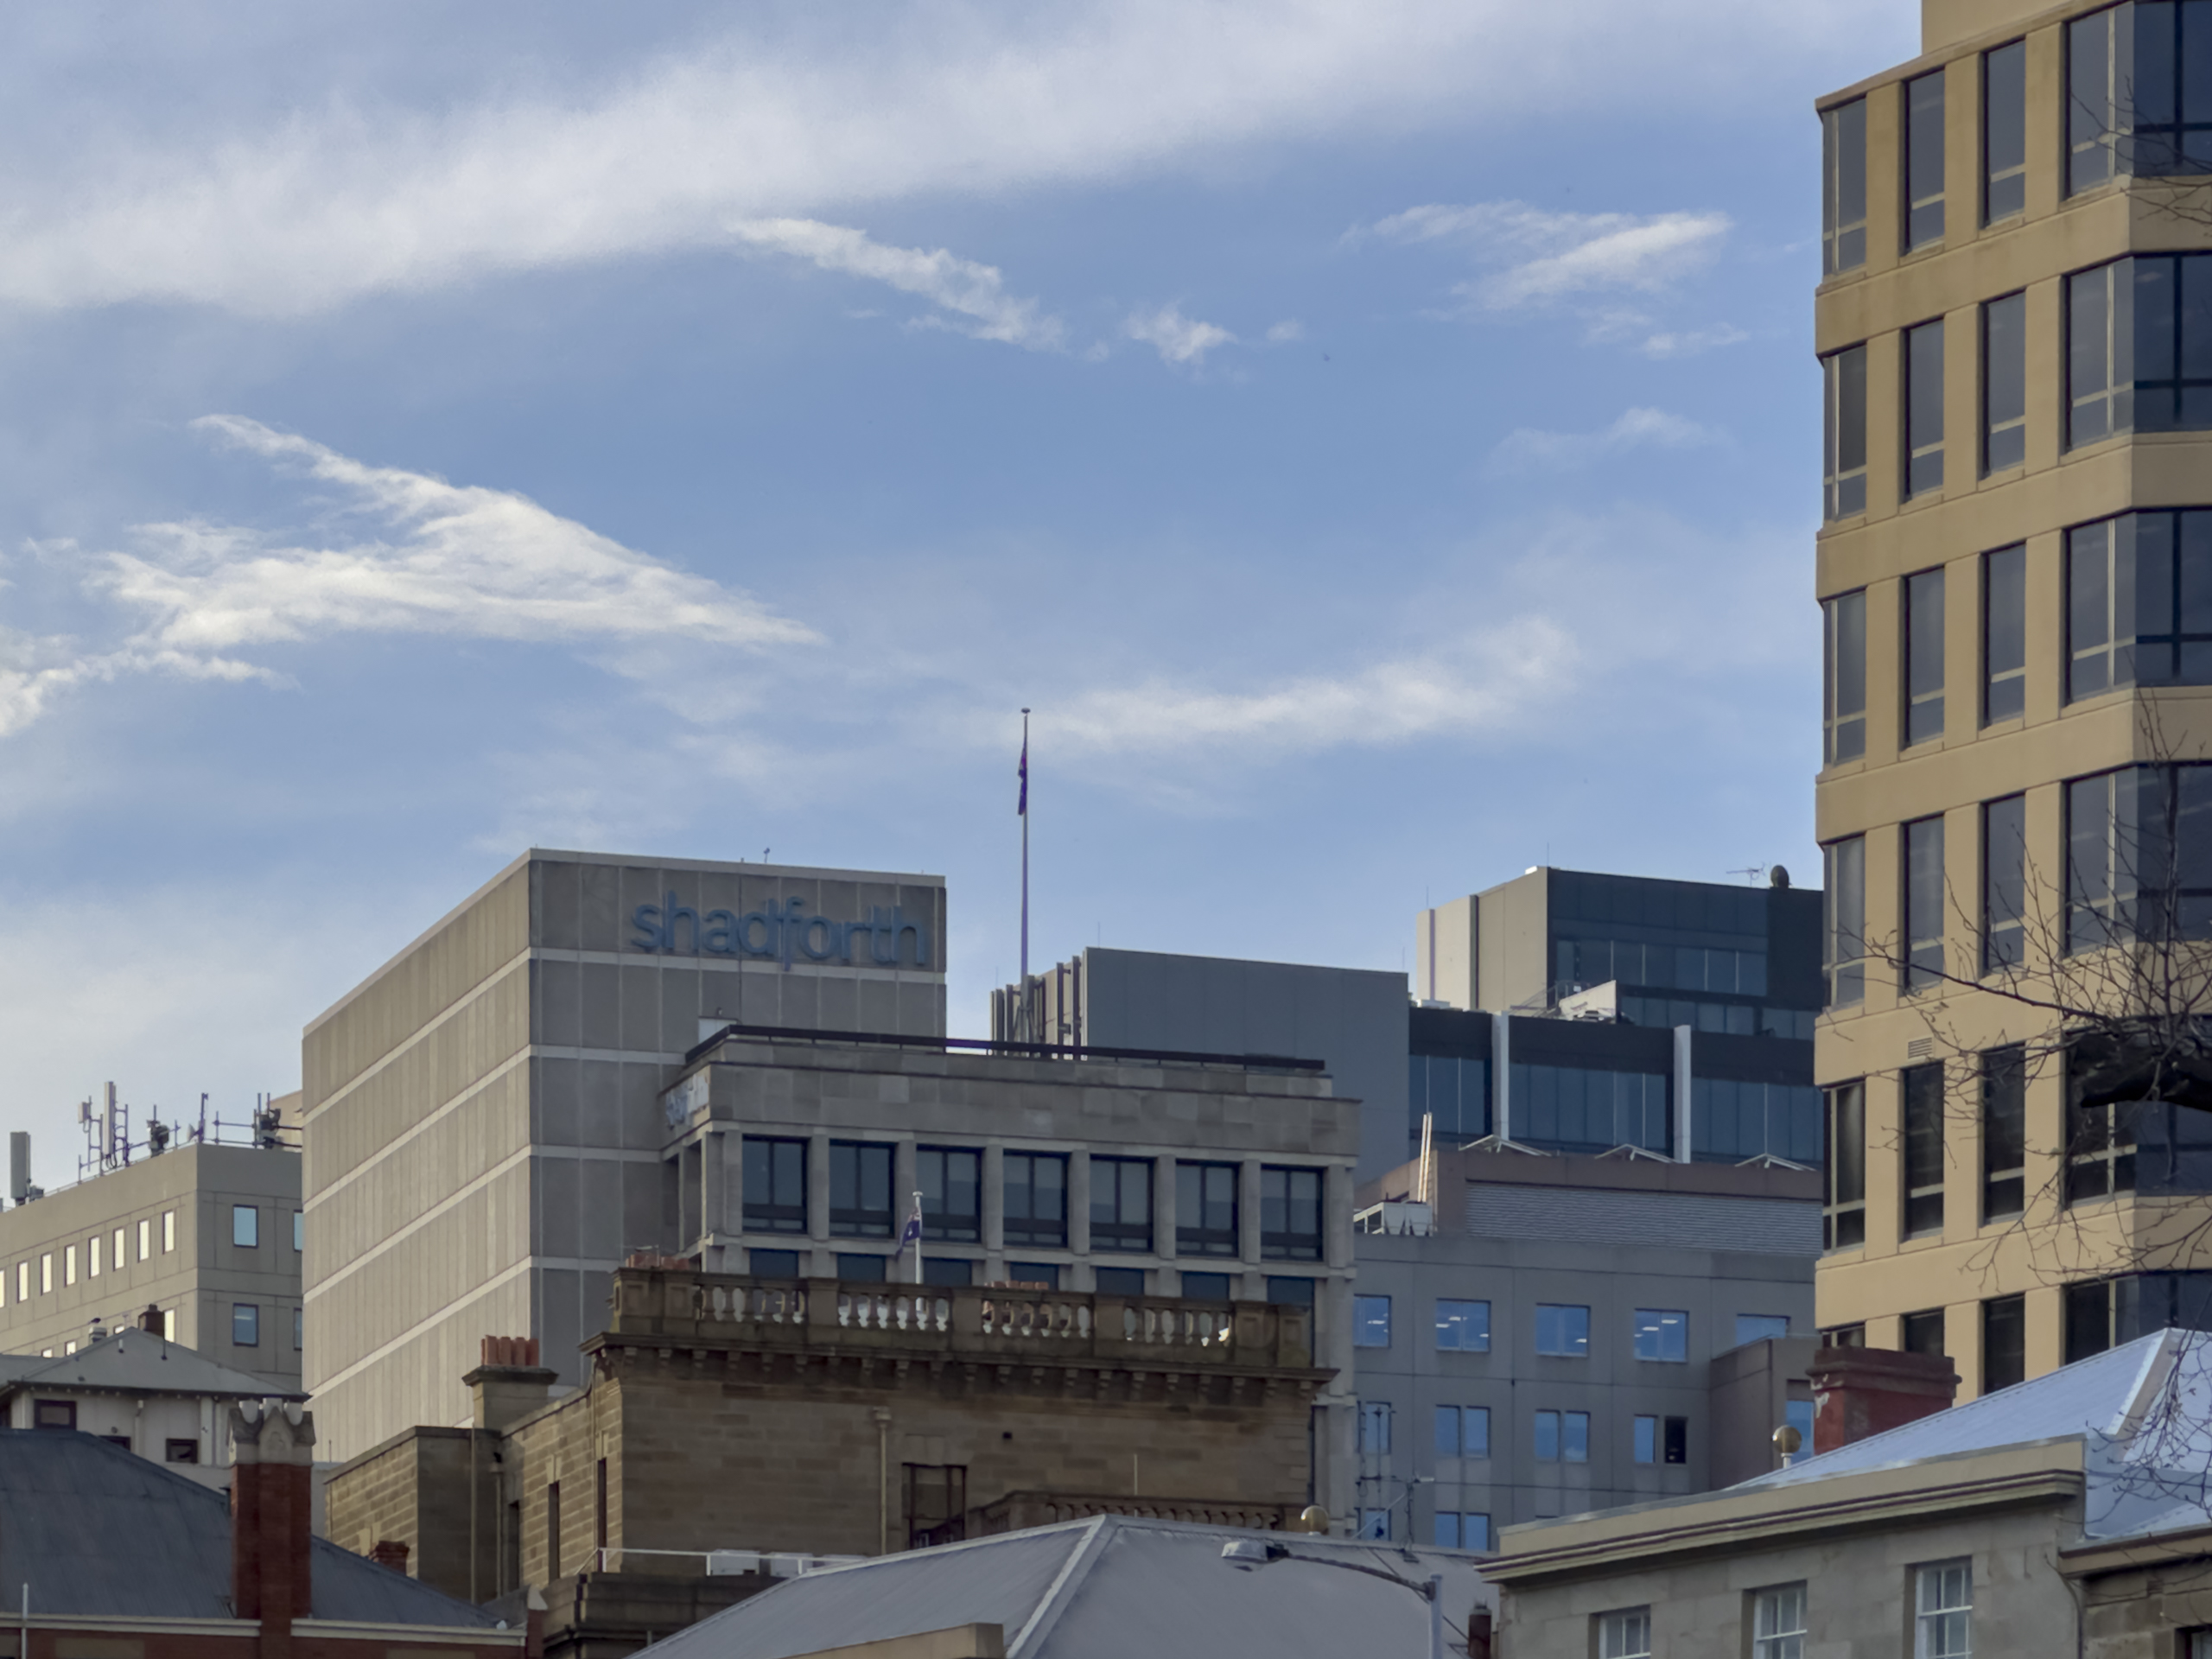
x,y
1247,1211
713,1187
905,1181
733,1216
1685,1094
817,1204
1501,1075
1336,1216
1079,1214
993,1197
1163,1208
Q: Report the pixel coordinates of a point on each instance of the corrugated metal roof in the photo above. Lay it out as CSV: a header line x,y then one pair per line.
x,y
93,1528
1680,1220
136,1362
1104,1588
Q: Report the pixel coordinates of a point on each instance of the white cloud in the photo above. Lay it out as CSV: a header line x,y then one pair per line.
x,y
1690,343
1542,257
1528,450
962,286
350,194
1286,332
1177,338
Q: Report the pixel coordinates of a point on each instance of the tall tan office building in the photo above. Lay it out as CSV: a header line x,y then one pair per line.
x,y
2015,333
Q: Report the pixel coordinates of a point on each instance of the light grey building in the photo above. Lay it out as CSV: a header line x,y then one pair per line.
x,y
1559,1332
210,1235
483,1128
1352,1020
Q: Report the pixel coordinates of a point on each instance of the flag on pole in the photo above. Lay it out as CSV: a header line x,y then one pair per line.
x,y
1021,807
911,1233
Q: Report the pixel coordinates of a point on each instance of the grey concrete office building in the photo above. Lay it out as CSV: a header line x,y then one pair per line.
x,y
484,1125
1562,1332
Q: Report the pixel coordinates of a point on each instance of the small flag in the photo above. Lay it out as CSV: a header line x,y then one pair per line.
x,y
1021,807
912,1233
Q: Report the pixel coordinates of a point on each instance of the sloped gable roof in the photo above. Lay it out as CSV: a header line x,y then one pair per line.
x,y
136,1362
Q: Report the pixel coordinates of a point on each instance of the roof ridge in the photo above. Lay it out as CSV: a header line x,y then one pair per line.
x,y
1053,1602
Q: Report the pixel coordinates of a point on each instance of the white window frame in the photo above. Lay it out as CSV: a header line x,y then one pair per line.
x,y
1625,1634
1778,1621
1942,1602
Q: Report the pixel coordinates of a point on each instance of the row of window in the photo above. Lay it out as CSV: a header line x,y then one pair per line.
x,y
1562,1328
1555,1436
2138,335
1660,967
2138,866
110,1252
1034,1208
1942,1619
2138,101
941,1269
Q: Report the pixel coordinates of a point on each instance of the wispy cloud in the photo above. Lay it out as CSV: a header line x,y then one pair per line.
x,y
1539,257
1691,342
1528,450
1177,338
976,292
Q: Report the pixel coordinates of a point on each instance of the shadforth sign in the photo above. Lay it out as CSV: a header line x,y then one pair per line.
x,y
784,935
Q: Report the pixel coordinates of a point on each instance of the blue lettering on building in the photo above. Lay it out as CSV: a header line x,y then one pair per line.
x,y
888,939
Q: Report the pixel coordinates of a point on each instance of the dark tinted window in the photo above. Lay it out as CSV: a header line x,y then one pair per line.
x,y
2003,1131
1923,1150
860,1189
1036,1202
1924,904
1843,467
775,1185
1843,695
1205,1210
1843,188
1120,1205
2005,634
2004,132
2005,883
951,1183
1290,1214
2003,1342
1923,160
1923,657
2004,383
1923,408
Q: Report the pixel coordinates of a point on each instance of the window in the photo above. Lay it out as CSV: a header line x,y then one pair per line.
x,y
1662,1333
22,1282
1844,1214
1923,656
1779,1623
1045,1273
1624,1635
1206,1286
1562,1437
1924,903
1463,1327
865,1269
168,1324
1674,1439
947,1270
1647,1439
117,1256
1453,1089
1287,1293
2139,855
299,1329
774,1264
1374,1428
1843,931
598,1506
53,1414
1843,188
1943,1611
1735,1120
69,1264
2004,131
2099,1140
299,1234
1922,1088
1843,454
1463,1431
1371,1321
2139,602
2087,1308
1120,1205
1923,1332
1129,1282
1205,1210
2003,1342
1923,160
2138,93
245,1226
1924,409
1563,1330
146,1239
1757,1327
168,1231
1035,1205
92,1258
1799,1413
2004,383
860,1189
2004,883
2140,347
951,1180
937,1502
775,1184
245,1325
181,1451
46,1273
1462,1531
1573,1109
1290,1215
2003,1131
1843,688
553,1529
2100,354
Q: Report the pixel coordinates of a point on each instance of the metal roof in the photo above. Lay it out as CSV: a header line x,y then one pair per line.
x,y
136,1362
93,1528
1106,1588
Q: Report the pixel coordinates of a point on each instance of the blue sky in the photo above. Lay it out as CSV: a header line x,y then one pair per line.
x,y
1378,441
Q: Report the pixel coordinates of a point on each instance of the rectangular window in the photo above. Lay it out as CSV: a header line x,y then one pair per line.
x,y
1924,409
1546,1437
245,1325
1924,903
2004,883
1757,1327
1129,1282
1625,1635
1779,1623
1923,597
1923,1332
53,1414
168,1231
2100,354
2139,602
1647,1439
1663,1333
299,1232
1281,1291
146,1240
1206,1286
1843,689
1922,1088
22,1282
2139,85
168,1324
1371,1321
1843,188
1036,1202
2087,1308
1120,1205
1674,1439
1843,466
1844,1168
2099,1140
1463,1431
2003,1131
947,1270
2139,855
775,1184
299,1329
46,1273
860,1189
1923,160
69,1264
2004,634
1290,1215
117,1255
92,1258
245,1226
1374,1428
1205,1210
1463,1327
2004,131
774,1264
951,1183
1462,1531
1943,1611
1843,932
1563,1330
2004,383
181,1451
2098,97
2003,1342
553,1529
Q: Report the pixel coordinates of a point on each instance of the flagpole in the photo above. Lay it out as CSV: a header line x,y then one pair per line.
x,y
1028,1021
918,1238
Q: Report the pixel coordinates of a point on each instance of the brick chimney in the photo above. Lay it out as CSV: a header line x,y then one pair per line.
x,y
1862,1391
151,1319
272,1447
509,1384
388,1552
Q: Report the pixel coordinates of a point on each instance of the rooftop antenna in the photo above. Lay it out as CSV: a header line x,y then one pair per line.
x,y
1028,1033
1750,873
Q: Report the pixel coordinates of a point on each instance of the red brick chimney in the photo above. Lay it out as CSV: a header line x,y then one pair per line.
x,y
388,1552
151,1319
1862,1391
272,1446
